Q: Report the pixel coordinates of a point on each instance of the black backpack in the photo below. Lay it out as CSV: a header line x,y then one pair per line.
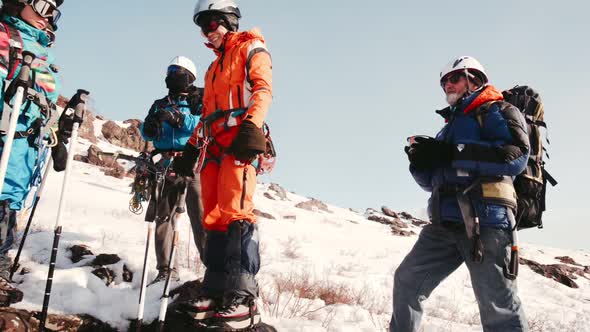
x,y
531,184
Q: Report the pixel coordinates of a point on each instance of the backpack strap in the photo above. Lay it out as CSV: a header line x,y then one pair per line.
x,y
484,108
15,44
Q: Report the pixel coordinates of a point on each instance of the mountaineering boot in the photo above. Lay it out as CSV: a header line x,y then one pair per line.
x,y
237,314
163,275
199,309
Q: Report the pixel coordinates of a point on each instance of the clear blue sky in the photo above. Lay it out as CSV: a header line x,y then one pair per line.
x,y
353,79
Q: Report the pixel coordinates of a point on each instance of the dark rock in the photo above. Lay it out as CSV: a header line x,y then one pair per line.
x,y
420,223
110,164
398,232
116,171
313,205
106,275
18,320
587,269
388,212
292,217
269,196
567,260
406,215
105,259
379,219
561,273
129,137
9,294
100,117
134,122
279,191
78,252
127,274
87,127
263,214
81,158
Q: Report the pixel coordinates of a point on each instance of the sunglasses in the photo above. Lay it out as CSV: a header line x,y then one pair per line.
x,y
452,77
210,25
46,9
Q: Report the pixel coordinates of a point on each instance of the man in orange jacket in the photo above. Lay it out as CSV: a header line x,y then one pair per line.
x,y
238,93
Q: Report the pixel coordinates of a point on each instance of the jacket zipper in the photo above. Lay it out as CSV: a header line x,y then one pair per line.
x,y
243,187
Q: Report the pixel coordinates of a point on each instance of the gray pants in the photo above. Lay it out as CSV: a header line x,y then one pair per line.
x,y
438,252
164,226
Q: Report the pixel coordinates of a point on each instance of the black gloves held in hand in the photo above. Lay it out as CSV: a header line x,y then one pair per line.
x,y
174,118
248,143
428,153
185,164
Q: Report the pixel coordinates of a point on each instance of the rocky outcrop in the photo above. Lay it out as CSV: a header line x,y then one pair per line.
x,y
18,320
105,259
562,273
110,166
313,205
389,212
567,260
105,274
278,192
86,130
129,137
397,226
9,294
78,252
101,263
263,214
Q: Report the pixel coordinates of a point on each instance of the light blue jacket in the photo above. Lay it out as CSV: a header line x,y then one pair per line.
x,y
23,156
173,138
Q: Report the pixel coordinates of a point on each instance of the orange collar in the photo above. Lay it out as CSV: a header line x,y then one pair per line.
x,y
490,93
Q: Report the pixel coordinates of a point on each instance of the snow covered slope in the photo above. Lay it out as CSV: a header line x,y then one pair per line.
x,y
321,271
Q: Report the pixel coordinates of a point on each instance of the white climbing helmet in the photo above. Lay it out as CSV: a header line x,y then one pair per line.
x,y
219,6
184,62
468,65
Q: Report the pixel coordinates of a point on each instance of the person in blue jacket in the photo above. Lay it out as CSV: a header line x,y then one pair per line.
x,y
468,169
28,25
169,124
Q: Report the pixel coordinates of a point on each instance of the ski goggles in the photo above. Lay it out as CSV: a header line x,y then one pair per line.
x,y
452,77
211,24
46,9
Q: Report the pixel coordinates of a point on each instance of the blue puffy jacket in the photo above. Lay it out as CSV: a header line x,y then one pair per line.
x,y
172,138
496,148
23,156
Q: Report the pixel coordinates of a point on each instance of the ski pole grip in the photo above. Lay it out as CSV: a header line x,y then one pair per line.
x,y
81,107
24,74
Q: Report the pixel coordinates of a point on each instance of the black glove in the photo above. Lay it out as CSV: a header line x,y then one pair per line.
x,y
59,153
65,125
249,142
151,126
428,153
185,164
174,118
195,100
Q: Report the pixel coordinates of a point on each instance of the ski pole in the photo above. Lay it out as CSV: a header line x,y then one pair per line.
x,y
142,291
22,84
31,215
512,271
78,116
165,296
